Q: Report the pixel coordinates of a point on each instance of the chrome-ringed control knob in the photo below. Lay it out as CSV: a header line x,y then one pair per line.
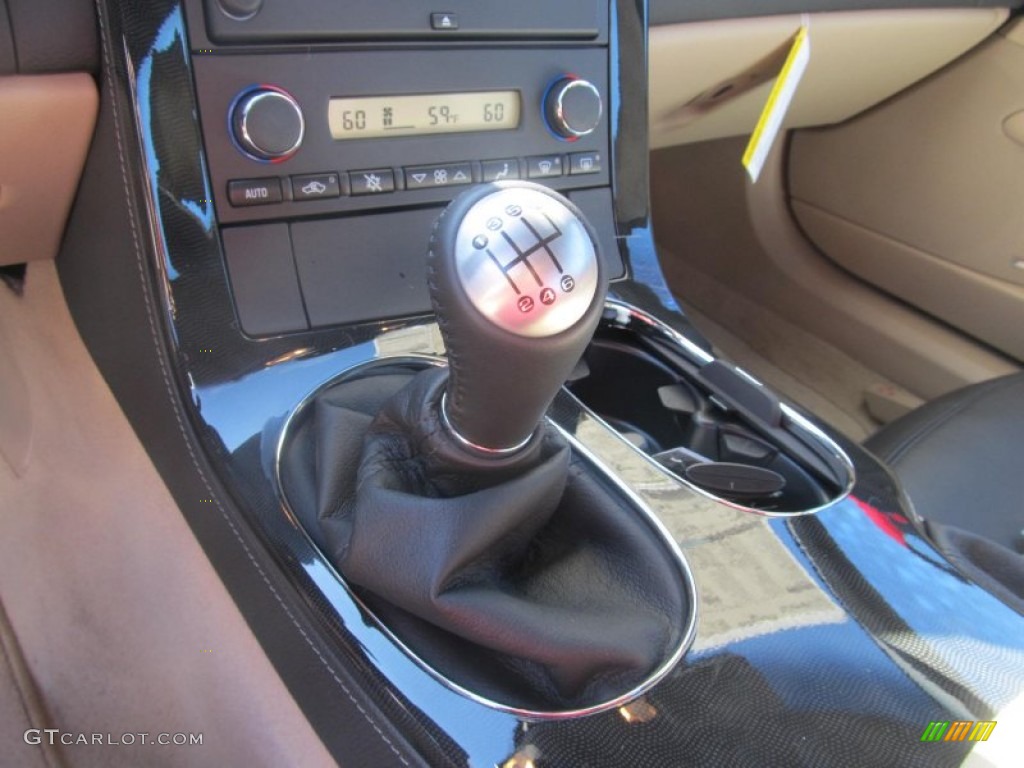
x,y
516,280
267,123
573,107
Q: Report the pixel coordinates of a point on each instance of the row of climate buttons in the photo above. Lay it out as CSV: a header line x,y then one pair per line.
x,y
376,181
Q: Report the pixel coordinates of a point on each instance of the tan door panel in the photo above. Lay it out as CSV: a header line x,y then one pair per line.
x,y
923,195
711,79
47,125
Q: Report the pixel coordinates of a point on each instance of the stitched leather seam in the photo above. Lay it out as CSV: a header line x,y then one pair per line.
x,y
155,338
452,346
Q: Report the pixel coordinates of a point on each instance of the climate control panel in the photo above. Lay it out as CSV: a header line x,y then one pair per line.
x,y
291,135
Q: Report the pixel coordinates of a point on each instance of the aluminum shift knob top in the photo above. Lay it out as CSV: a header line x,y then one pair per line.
x,y
517,284
526,262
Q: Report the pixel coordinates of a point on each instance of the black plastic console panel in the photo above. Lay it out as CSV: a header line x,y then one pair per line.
x,y
327,20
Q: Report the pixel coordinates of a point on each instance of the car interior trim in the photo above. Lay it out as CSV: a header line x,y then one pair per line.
x,y
751,242
44,139
711,79
683,11
916,243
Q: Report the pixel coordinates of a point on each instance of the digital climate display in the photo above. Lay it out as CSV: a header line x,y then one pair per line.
x,y
374,117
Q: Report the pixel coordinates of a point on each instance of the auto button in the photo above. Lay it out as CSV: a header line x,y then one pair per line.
x,y
245,192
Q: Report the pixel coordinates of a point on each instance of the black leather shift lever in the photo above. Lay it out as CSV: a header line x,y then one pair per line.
x,y
518,288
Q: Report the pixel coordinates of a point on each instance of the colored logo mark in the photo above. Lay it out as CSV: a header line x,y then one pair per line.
x,y
958,730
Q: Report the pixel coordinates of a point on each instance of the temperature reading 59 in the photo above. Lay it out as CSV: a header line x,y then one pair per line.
x,y
442,115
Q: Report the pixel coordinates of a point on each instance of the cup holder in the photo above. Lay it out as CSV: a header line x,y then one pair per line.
x,y
705,421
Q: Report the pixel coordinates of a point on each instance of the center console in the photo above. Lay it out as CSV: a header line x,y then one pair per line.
x,y
293,159
363,146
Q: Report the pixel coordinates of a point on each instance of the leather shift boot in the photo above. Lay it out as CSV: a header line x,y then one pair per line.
x,y
526,580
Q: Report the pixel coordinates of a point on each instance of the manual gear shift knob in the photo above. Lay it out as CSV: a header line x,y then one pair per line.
x,y
518,287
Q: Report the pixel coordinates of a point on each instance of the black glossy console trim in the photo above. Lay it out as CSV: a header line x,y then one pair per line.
x,y
682,11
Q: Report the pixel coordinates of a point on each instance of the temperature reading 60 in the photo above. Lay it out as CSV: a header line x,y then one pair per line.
x,y
354,120
494,113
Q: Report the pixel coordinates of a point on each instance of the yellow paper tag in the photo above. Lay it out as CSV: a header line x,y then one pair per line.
x,y
767,129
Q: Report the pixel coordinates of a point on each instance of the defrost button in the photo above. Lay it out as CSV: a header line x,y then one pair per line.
x,y
543,166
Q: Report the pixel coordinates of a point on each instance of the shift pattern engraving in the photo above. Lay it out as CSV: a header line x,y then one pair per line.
x,y
545,257
523,255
